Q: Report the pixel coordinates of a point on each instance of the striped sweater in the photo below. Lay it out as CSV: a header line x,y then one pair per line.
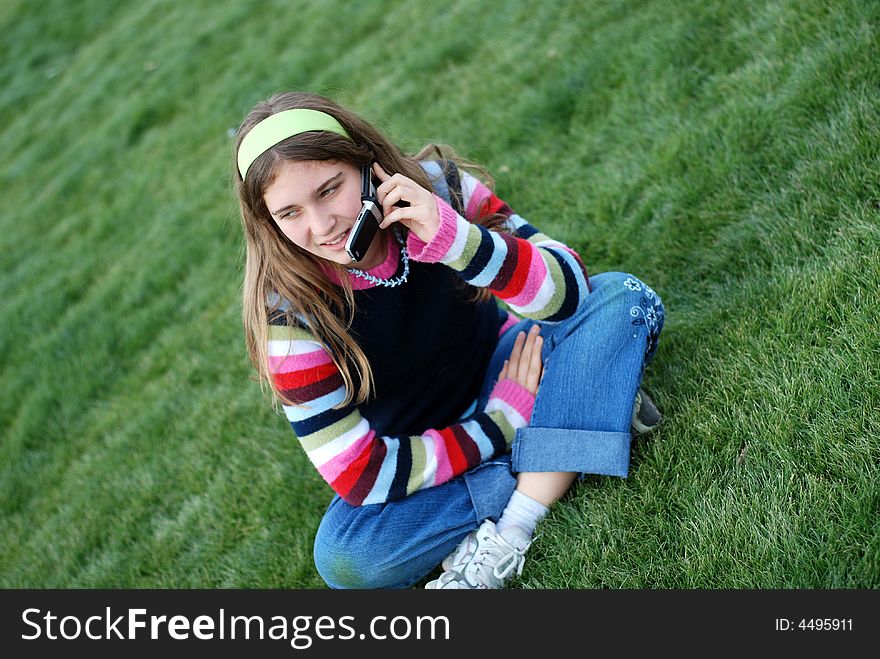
x,y
536,276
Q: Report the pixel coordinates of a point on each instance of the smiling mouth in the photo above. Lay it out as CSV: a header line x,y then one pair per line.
x,y
336,240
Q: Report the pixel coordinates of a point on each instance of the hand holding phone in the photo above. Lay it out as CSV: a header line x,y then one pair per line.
x,y
419,213
410,204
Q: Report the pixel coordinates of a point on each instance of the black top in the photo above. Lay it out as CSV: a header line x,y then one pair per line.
x,y
429,348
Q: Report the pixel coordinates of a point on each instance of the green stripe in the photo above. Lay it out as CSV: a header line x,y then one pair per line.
x,y
286,333
471,245
419,460
507,430
555,302
331,432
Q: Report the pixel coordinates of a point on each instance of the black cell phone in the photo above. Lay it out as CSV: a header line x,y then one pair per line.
x,y
369,218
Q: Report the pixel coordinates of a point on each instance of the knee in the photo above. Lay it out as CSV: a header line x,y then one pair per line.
x,y
346,560
628,303
645,310
336,559
335,569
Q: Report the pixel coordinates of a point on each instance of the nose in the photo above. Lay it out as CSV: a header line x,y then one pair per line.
x,y
323,226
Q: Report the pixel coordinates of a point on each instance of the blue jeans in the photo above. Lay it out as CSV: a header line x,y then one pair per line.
x,y
593,365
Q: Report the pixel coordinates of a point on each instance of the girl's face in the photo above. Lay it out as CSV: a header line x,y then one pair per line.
x,y
315,203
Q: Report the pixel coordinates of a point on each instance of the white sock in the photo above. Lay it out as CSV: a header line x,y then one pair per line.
x,y
522,511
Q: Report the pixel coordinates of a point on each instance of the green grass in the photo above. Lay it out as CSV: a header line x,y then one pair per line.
x,y
725,152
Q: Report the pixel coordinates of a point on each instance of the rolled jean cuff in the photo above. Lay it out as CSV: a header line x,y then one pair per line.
x,y
490,486
584,451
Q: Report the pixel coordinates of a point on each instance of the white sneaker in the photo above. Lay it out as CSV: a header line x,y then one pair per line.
x,y
484,559
449,580
454,563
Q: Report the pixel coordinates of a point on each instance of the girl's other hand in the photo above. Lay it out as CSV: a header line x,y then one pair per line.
x,y
421,216
525,366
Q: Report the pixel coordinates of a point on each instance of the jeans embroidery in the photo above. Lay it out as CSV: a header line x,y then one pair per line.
x,y
649,313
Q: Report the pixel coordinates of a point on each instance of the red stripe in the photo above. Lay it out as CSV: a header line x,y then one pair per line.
x,y
453,450
346,484
469,448
521,274
296,379
493,204
508,267
312,392
370,473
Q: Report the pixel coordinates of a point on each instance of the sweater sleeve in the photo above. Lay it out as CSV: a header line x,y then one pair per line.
x,y
361,466
538,277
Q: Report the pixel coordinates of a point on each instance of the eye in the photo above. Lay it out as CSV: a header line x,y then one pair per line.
x,y
291,214
329,191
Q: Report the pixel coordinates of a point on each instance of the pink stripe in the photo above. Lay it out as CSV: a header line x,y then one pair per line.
x,y
537,275
335,466
444,468
478,197
515,395
290,363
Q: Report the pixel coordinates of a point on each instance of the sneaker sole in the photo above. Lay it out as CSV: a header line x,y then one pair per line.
x,y
646,417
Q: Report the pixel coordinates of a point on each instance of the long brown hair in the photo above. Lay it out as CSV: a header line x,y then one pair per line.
x,y
279,274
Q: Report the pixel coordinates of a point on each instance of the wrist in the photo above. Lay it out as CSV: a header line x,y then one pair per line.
x,y
438,244
512,395
429,228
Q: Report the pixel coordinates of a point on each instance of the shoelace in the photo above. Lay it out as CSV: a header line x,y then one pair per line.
x,y
511,561
510,558
464,550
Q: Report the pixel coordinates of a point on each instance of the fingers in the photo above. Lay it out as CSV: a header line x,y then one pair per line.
x,y
397,215
395,194
515,355
394,188
403,200
536,366
526,374
397,189
503,373
526,365
381,173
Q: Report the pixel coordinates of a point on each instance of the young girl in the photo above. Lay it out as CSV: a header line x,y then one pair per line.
x,y
446,425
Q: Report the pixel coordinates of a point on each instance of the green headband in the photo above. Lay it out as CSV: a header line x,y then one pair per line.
x,y
277,127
